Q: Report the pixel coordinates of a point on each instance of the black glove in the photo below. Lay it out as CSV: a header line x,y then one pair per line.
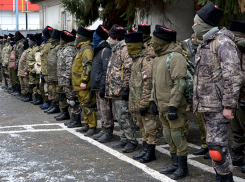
x,y
33,74
125,94
143,111
153,109
172,113
102,93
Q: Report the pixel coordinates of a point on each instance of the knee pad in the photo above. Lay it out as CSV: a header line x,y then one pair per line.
x,y
178,137
217,153
167,135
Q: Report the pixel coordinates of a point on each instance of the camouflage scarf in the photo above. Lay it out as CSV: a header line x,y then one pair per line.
x,y
134,47
62,43
159,45
80,39
146,37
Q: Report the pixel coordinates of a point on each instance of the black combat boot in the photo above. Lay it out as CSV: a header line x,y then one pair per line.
x,y
130,147
90,132
201,151
107,136
64,115
182,170
20,96
84,129
58,115
49,108
39,99
150,154
77,121
12,90
23,97
142,153
243,169
120,144
4,86
227,178
238,158
71,121
54,110
98,135
218,178
173,168
28,98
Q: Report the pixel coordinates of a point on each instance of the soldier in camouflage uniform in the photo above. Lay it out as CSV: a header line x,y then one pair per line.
x,y
22,74
4,47
81,69
217,83
66,56
238,123
102,52
140,85
117,88
43,85
52,80
18,49
1,61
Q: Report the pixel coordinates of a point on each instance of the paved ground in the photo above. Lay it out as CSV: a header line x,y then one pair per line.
x,y
35,147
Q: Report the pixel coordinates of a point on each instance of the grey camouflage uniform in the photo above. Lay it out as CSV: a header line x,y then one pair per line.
x,y
217,85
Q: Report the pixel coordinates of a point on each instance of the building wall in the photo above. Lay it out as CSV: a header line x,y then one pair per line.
x,y
180,14
51,13
8,20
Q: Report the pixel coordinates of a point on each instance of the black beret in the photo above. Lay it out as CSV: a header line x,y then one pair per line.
x,y
102,32
11,35
67,36
211,14
164,33
1,37
144,28
47,31
85,32
5,36
133,37
31,37
117,32
237,26
18,36
74,31
55,34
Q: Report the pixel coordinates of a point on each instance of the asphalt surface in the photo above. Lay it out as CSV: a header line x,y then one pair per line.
x,y
36,147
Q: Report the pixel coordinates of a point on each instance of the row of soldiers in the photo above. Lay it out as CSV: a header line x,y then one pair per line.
x,y
136,77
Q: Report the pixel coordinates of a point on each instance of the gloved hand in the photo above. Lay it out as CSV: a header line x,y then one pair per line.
x,y
102,93
143,111
125,94
172,113
153,109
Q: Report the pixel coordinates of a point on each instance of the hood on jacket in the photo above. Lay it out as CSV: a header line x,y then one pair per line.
x,y
102,45
173,47
223,31
119,44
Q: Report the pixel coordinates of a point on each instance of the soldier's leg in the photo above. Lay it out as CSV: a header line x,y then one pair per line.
x,y
217,129
62,100
5,77
9,78
43,86
142,128
159,127
1,72
22,85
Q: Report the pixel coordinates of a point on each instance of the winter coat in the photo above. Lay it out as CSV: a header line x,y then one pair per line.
x,y
23,63
217,83
52,63
140,83
118,71
66,57
82,64
165,90
102,54
44,56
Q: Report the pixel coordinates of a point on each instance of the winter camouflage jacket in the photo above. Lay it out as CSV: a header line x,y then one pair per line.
x,y
82,65
1,51
217,83
118,71
64,65
44,56
140,83
52,63
31,59
6,55
22,67
168,87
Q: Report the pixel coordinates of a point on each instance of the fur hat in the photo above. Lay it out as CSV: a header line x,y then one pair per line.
x,y
28,35
11,35
18,36
1,37
102,32
164,33
237,26
31,37
132,30
74,31
55,34
132,37
211,14
85,32
144,28
5,36
38,36
117,32
67,36
12,39
47,31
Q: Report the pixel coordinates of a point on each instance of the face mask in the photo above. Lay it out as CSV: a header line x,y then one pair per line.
x,y
62,43
12,43
157,48
31,43
134,48
80,39
194,44
45,38
112,43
